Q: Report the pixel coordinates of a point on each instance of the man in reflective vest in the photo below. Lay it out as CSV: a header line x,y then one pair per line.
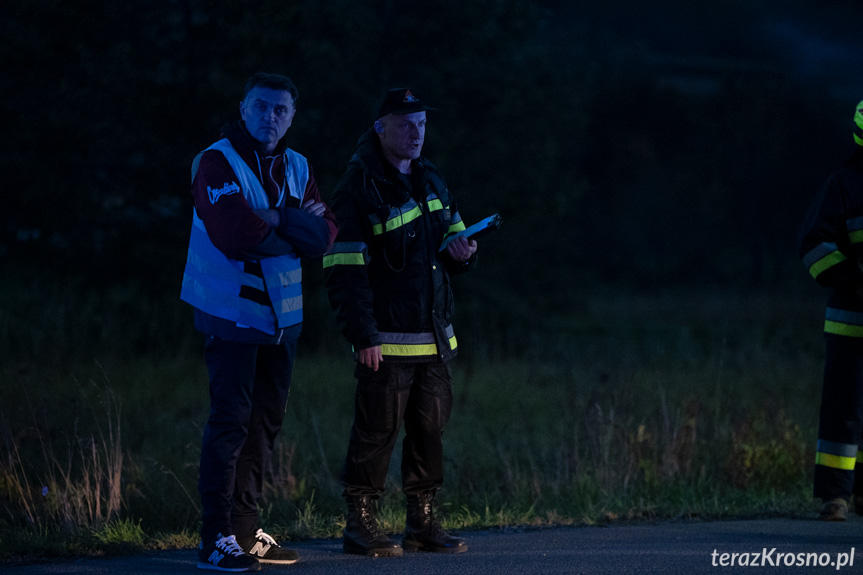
x,y
831,246
257,213
389,283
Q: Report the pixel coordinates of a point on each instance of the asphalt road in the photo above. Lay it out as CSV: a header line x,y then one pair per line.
x,y
764,546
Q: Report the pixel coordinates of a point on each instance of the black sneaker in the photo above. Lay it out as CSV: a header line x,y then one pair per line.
x,y
265,549
224,554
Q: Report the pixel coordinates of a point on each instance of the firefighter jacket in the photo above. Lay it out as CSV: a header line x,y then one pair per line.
x,y
831,246
240,273
387,280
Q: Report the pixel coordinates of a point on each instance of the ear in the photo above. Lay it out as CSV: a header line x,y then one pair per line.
x,y
379,128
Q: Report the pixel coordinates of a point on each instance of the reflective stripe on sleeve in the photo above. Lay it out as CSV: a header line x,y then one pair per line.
x,y
434,203
346,253
455,228
822,257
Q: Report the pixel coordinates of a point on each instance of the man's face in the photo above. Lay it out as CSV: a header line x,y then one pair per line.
x,y
267,114
402,138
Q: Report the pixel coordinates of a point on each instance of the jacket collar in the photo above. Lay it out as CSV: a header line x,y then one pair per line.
x,y
242,140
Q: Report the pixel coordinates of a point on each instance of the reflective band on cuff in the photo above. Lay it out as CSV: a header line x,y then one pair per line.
x,y
344,260
455,228
822,257
346,253
835,461
825,263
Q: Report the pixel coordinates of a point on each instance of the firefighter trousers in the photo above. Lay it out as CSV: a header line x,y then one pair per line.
x,y
841,420
420,394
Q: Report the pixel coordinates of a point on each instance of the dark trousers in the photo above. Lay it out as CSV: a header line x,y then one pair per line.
x,y
841,420
249,387
418,394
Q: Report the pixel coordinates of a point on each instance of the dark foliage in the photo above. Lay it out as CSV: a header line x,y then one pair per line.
x,y
673,144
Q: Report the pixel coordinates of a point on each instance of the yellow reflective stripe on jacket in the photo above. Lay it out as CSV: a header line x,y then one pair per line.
x,y
346,254
408,350
822,257
397,218
843,322
413,344
408,344
414,350
434,203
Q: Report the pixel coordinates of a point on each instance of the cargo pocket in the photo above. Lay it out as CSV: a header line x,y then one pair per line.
x,y
375,402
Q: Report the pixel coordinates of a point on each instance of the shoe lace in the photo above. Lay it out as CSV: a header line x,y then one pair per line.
x,y
229,545
370,523
429,508
261,536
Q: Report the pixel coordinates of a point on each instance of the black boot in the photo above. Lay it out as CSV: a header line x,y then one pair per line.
x,y
423,532
363,535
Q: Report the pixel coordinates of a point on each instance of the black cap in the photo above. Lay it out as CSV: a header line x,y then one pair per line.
x,y
401,101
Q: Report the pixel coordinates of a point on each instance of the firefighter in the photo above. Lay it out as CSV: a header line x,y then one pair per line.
x,y
831,246
389,283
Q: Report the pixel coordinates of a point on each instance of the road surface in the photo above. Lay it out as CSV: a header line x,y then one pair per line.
x,y
672,548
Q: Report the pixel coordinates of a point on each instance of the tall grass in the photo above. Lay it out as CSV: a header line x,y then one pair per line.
x,y
579,410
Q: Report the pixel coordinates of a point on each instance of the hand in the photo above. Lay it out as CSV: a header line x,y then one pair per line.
x,y
371,357
270,216
314,208
461,249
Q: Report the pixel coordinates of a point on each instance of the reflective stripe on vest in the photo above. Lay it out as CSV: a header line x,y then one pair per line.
x,y
212,282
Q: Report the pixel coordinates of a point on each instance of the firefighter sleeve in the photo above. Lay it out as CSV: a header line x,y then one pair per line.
x,y
827,238
457,225
346,273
